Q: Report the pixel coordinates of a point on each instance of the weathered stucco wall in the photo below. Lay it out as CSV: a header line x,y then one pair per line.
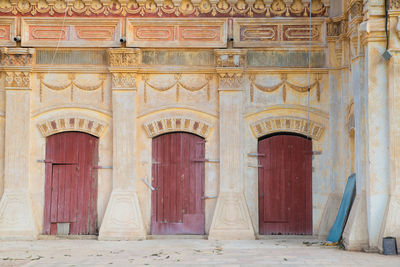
x,y
240,79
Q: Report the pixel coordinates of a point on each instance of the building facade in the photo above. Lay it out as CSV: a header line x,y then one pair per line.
x,y
230,119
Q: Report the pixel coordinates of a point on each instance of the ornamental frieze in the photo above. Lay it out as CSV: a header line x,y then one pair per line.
x,y
288,124
250,33
166,8
81,124
177,124
123,57
16,57
178,85
394,4
285,84
176,32
72,85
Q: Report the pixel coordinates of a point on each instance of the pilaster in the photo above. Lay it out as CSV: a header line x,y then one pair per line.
x,y
231,218
16,216
123,218
375,99
355,235
391,224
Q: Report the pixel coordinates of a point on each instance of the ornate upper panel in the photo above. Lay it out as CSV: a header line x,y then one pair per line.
x,y
166,8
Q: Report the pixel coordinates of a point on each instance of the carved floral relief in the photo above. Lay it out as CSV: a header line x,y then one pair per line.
x,y
164,8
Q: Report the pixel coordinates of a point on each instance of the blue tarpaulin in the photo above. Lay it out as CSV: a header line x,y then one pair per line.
x,y
348,196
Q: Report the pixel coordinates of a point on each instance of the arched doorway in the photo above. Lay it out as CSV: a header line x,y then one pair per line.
x,y
285,184
178,180
71,184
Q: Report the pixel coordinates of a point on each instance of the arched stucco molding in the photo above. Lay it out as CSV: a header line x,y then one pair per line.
x,y
177,124
288,124
72,123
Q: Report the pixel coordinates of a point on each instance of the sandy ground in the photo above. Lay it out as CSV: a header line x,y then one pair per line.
x,y
289,252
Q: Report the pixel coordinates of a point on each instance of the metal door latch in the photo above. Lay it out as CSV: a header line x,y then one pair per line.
x,y
148,184
208,197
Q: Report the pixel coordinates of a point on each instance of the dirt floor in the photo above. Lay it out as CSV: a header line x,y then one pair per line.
x,y
168,252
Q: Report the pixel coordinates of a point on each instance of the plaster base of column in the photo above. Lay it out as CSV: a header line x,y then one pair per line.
x,y
231,219
123,219
16,217
329,214
355,234
391,222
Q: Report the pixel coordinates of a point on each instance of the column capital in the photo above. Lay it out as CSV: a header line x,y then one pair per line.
x,y
230,65
17,65
123,65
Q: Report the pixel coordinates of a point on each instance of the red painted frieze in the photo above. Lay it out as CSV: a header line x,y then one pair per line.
x,y
164,8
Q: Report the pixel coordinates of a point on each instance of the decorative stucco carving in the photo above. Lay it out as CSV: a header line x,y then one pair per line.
x,y
230,58
284,84
177,84
230,80
177,124
16,57
17,64
123,80
337,28
123,57
168,8
356,10
71,84
80,124
394,4
288,124
17,79
230,64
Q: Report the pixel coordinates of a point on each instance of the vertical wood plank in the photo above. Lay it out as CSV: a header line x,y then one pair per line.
x,y
54,194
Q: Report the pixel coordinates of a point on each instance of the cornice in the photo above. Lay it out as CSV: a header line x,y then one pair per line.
x,y
165,8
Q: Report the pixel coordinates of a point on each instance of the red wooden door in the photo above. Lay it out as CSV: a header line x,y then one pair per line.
x,y
71,184
284,185
178,179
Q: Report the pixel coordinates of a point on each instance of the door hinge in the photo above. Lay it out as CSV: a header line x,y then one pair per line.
x,y
253,154
102,167
256,166
206,160
208,197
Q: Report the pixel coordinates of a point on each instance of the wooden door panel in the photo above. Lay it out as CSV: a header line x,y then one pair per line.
x,y
71,183
285,185
177,202
64,195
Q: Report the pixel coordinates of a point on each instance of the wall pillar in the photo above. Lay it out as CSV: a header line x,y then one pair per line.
x,y
355,235
16,216
231,218
123,218
391,225
378,174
